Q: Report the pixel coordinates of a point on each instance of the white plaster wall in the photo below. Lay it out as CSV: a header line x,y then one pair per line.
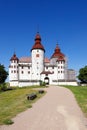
x,y
13,71
65,83
14,83
37,63
25,73
22,84
61,70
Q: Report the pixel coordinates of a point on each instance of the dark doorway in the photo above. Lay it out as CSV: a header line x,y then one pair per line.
x,y
46,80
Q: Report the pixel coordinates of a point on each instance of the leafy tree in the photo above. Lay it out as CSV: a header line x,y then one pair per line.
x,y
83,75
3,74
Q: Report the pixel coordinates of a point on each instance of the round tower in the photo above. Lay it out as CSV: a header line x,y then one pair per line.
x,y
37,53
13,70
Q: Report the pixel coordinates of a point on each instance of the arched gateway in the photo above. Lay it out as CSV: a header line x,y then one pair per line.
x,y
46,80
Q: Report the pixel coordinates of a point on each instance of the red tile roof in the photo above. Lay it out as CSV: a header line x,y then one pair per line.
x,y
61,58
28,59
38,44
46,72
14,57
46,60
25,59
57,53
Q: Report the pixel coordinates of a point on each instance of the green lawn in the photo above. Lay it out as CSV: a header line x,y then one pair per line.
x,y
80,93
13,102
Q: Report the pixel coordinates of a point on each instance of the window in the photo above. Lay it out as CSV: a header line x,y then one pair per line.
x,y
28,72
46,67
28,67
22,72
58,71
37,55
53,67
14,66
12,71
22,67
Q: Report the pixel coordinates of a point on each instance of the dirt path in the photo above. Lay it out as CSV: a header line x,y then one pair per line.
x,y
57,110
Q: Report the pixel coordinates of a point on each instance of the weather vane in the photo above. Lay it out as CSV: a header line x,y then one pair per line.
x,y
57,43
38,28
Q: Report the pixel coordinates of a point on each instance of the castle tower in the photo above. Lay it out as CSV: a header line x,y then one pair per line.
x,y
13,70
37,54
57,53
59,59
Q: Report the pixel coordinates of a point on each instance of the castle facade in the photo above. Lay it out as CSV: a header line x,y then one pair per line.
x,y
28,71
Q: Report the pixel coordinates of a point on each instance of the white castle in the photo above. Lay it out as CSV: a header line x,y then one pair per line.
x,y
28,71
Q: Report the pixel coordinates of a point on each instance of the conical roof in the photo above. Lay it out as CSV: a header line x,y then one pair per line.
x,y
37,44
57,53
14,57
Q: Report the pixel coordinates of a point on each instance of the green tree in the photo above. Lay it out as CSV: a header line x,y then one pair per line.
x,y
3,74
83,75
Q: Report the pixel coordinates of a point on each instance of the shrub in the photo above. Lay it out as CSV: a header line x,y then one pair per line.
x,y
3,87
42,83
8,122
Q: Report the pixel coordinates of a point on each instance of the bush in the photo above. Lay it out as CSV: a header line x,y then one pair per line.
x,y
8,122
42,83
3,87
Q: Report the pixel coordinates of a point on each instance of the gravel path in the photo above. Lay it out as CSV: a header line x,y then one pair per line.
x,y
57,110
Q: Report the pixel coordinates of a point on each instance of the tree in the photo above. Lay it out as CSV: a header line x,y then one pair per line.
x,y
3,74
83,75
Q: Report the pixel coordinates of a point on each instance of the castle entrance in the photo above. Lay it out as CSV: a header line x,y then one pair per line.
x,y
46,80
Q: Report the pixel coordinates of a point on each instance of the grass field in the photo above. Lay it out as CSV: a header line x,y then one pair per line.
x,y
80,93
13,102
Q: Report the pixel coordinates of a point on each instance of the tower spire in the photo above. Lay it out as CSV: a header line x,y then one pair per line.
x,y
38,29
37,44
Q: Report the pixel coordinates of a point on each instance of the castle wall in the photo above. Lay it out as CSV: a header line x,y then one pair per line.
x,y
13,70
29,71
37,63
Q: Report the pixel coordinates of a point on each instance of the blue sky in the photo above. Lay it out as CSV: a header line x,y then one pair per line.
x,y
62,21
